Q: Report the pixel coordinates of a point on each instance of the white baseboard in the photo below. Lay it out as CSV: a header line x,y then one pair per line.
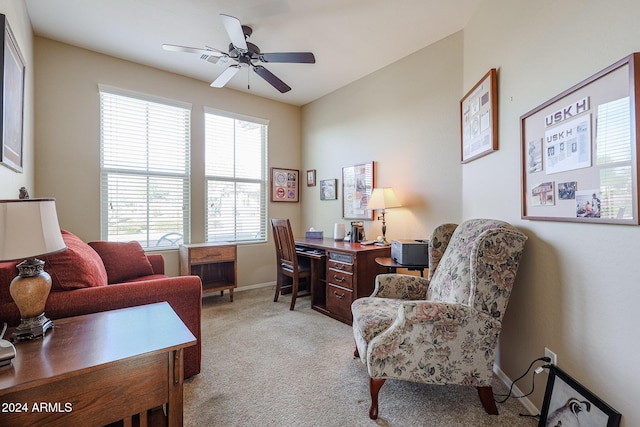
x,y
529,406
256,286
246,288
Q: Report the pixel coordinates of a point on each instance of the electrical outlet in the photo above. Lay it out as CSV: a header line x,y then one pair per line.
x,y
551,355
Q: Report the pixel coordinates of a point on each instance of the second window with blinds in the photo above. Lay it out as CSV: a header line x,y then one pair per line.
x,y
236,178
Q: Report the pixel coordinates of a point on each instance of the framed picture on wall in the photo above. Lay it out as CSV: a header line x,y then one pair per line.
x,y
357,185
311,178
285,185
12,99
479,119
328,189
566,402
579,150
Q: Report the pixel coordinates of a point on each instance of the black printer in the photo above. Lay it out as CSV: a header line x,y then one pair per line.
x,y
410,252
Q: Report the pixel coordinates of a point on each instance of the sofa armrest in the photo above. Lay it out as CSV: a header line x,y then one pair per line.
x,y
400,286
157,262
184,295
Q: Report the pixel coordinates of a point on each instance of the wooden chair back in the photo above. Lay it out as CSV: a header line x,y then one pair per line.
x,y
285,245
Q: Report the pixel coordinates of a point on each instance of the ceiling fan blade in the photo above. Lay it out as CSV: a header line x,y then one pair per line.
x,y
234,29
199,51
290,57
271,79
226,75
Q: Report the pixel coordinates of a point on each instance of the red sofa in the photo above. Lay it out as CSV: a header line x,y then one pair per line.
x,y
101,276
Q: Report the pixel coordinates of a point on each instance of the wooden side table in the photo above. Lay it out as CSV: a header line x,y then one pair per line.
x,y
392,265
98,369
214,263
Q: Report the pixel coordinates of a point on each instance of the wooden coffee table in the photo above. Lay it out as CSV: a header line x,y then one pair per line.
x,y
98,369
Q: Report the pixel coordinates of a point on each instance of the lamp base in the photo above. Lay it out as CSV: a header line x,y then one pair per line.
x,y
31,328
29,291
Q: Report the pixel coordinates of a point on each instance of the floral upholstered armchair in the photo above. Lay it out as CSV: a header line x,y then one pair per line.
x,y
442,329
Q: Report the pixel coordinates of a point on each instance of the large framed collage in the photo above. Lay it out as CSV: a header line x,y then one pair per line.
x,y
579,150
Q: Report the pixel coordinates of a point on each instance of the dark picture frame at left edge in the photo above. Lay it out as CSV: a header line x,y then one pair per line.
x,y
566,399
12,96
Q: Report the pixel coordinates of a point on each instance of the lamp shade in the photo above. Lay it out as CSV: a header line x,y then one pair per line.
x,y
29,228
383,198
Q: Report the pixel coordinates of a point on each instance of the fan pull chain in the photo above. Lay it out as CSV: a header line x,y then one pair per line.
x,y
248,79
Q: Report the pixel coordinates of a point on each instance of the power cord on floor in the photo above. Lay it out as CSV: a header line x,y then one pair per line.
x,y
547,360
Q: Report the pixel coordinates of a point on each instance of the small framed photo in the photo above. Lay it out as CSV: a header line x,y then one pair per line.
x,y
285,185
311,178
565,400
328,189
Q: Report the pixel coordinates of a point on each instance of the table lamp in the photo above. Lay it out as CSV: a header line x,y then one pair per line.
x,y
29,228
382,199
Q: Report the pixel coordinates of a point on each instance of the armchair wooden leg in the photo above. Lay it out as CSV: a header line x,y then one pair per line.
x,y
488,402
356,353
374,388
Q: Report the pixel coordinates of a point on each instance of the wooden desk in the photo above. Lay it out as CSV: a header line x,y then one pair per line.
x,y
98,369
344,272
392,266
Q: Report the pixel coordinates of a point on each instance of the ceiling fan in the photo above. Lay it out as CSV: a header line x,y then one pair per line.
x,y
244,54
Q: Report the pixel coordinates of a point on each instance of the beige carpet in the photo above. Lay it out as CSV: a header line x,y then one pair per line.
x,y
263,365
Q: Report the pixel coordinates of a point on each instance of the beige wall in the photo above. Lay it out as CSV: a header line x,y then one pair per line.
x,y
577,292
67,135
405,119
11,181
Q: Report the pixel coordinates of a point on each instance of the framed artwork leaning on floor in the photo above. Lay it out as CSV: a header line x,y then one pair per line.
x,y
568,403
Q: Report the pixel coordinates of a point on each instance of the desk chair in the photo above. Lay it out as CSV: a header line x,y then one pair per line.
x,y
287,260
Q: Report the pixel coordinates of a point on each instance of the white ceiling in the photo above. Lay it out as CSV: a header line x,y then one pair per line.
x,y
350,38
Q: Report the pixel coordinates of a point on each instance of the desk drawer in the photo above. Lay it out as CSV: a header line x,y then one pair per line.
x,y
207,254
339,301
340,278
337,265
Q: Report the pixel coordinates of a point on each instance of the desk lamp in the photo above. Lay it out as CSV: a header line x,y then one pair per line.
x,y
382,199
29,228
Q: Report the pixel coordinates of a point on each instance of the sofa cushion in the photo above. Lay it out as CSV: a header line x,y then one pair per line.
x,y
8,271
123,260
77,267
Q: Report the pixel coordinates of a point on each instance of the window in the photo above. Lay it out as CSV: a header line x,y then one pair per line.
x,y
144,168
235,169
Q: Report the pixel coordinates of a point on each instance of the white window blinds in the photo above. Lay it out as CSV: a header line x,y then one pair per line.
x,y
235,169
144,168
